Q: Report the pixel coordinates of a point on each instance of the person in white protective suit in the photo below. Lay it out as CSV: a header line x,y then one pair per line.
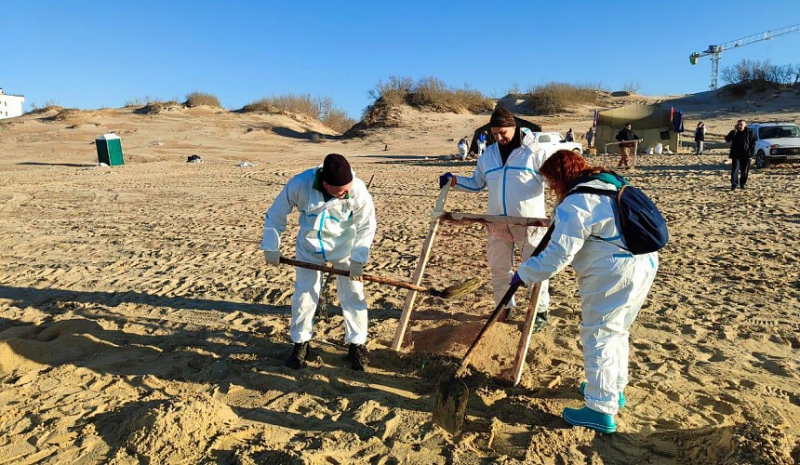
x,y
337,225
612,282
481,143
509,169
463,148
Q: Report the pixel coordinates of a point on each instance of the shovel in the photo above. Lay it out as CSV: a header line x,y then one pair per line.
x,y
456,290
452,396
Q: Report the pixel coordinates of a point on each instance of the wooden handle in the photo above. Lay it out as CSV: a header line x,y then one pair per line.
x,y
527,332
402,325
487,219
366,277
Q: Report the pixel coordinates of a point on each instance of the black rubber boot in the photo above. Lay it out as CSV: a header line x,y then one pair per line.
x,y
301,353
357,354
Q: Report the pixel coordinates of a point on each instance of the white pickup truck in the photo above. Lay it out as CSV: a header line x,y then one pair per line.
x,y
552,142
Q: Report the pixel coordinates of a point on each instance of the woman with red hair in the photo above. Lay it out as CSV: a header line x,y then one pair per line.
x,y
613,283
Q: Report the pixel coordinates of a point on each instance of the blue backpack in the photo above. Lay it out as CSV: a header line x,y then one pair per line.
x,y
643,228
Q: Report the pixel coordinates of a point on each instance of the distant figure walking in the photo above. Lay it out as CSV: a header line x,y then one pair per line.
x,y
570,137
699,137
589,137
624,136
463,148
743,145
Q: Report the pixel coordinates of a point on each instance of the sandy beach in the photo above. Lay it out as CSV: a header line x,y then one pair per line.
x,y
139,323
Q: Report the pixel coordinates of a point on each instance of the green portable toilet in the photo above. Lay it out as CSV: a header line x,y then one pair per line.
x,y
109,149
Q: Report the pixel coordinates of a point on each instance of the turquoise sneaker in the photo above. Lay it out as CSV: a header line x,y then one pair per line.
x,y
621,395
588,418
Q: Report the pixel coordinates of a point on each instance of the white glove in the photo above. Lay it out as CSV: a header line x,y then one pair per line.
x,y
272,258
356,271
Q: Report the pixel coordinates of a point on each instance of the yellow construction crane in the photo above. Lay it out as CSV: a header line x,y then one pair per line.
x,y
715,50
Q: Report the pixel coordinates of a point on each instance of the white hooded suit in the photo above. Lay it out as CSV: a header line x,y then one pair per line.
x,y
515,189
613,285
337,231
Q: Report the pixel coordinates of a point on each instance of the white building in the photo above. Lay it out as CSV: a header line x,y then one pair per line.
x,y
10,105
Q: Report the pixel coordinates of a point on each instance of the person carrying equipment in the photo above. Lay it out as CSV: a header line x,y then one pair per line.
x,y
337,225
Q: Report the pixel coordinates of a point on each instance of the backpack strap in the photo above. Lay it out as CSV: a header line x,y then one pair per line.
x,y
593,190
609,178
616,195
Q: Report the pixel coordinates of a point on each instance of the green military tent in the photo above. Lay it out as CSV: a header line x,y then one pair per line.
x,y
650,122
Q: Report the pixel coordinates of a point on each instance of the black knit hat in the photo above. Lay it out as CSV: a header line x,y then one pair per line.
x,y
502,118
336,170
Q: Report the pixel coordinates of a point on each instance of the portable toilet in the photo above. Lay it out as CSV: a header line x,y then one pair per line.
x,y
109,149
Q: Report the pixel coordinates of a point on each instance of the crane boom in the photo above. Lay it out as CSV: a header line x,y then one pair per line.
x,y
715,50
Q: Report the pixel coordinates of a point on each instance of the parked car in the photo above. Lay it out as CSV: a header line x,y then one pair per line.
x,y
776,143
552,142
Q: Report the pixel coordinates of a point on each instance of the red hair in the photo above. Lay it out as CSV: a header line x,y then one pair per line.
x,y
563,168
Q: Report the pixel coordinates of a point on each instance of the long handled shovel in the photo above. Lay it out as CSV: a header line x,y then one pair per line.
x,y
452,396
455,290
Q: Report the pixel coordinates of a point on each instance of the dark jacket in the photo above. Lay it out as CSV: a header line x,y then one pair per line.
x,y
743,143
626,134
700,134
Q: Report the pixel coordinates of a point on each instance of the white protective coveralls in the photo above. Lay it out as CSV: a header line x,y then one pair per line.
x,y
463,149
612,282
515,189
337,231
481,147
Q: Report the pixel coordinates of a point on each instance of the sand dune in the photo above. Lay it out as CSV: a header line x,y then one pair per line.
x,y
138,323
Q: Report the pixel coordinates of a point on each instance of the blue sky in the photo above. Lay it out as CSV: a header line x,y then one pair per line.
x,y
93,54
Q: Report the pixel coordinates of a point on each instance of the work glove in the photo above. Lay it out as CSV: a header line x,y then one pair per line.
x,y
446,178
516,280
356,271
272,258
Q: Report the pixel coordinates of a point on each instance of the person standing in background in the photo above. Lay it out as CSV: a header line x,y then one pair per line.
x,y
699,137
481,143
624,137
463,148
589,137
743,146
